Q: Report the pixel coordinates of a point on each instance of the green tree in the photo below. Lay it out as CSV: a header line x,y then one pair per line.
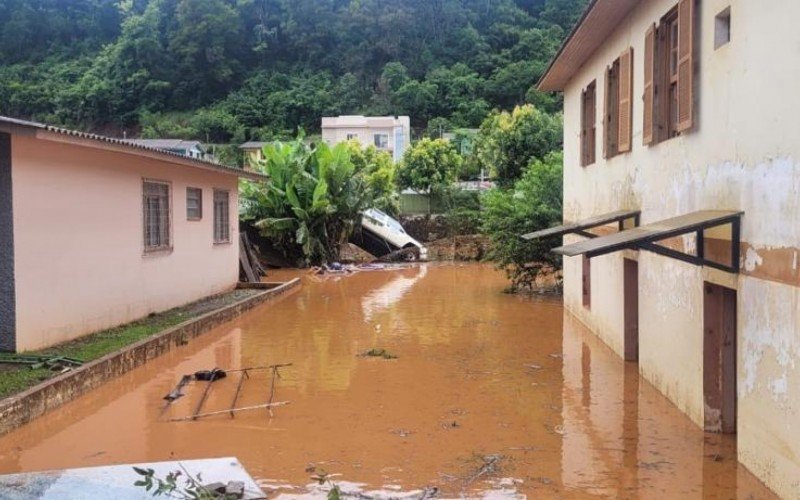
x,y
429,165
507,142
534,202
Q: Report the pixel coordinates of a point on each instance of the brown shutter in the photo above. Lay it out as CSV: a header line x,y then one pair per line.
x,y
607,114
625,100
649,87
593,124
685,64
584,149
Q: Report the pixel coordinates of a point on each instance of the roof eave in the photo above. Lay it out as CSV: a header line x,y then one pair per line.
x,y
46,132
555,78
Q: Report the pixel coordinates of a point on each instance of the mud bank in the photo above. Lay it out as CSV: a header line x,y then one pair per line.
x,y
489,393
26,406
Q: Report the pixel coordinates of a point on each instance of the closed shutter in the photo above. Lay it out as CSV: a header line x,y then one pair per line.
x,y
584,139
685,65
625,100
649,87
607,115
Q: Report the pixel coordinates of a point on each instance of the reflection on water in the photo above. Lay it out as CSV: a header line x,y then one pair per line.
x,y
490,392
388,295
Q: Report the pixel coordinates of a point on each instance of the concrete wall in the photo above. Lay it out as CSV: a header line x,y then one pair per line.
x,y
743,154
7,299
78,239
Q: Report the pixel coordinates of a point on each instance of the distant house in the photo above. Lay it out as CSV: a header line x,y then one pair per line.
x,y
387,133
96,232
253,152
192,149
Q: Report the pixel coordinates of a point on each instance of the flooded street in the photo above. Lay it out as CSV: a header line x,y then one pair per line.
x,y
489,393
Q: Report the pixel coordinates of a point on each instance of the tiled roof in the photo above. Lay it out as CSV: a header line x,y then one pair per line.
x,y
15,125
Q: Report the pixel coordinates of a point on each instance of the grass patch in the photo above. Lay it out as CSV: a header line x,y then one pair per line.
x,y
17,378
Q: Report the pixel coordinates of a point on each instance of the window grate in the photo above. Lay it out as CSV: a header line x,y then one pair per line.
x,y
222,228
156,214
194,203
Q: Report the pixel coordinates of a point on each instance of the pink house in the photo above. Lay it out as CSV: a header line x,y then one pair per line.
x,y
96,232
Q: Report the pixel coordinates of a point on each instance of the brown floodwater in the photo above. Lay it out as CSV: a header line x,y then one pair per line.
x,y
489,393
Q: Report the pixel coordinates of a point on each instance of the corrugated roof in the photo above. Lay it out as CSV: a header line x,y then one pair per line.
x,y
16,126
598,21
253,145
168,143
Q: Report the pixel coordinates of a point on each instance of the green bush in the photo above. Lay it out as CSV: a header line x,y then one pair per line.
x,y
534,202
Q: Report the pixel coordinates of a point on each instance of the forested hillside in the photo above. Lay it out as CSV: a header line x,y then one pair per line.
x,y
234,70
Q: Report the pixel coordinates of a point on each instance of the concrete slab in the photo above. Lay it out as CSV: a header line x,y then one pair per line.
x,y
117,481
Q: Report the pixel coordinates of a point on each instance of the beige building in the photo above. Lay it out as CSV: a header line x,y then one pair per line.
x,y
681,117
253,153
96,232
387,133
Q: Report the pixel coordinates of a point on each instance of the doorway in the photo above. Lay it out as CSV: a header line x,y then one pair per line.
x,y
631,307
7,287
719,358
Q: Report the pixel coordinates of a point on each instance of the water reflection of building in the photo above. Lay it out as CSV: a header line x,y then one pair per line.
x,y
624,439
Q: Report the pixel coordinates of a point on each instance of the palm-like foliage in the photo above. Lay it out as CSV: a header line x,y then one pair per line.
x,y
312,203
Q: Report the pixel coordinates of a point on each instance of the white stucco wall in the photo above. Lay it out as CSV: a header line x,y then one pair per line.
x,y
743,154
78,236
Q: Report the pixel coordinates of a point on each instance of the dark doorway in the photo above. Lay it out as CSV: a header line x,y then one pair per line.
x,y
587,282
631,306
7,287
719,358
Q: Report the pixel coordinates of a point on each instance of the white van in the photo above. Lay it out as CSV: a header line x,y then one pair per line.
x,y
390,233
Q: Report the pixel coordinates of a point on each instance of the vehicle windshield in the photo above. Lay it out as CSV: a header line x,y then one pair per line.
x,y
381,216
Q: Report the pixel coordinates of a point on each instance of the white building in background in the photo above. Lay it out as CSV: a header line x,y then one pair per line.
x,y
387,133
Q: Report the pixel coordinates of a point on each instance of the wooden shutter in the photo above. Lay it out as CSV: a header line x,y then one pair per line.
x,y
584,135
649,87
625,101
607,115
685,65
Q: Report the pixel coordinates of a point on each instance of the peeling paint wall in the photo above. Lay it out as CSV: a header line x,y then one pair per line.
x,y
743,154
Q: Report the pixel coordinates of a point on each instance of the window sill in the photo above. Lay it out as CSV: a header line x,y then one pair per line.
x,y
222,243
194,219
157,252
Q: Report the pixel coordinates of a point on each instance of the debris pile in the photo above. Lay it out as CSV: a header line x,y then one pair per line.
x,y
211,376
59,364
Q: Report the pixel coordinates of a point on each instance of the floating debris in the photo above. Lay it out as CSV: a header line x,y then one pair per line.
x,y
378,353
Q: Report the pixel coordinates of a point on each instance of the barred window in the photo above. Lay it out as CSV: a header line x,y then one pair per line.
x,y
156,213
194,203
222,228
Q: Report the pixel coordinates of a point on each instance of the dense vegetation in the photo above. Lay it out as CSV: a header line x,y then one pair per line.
x,y
231,70
312,204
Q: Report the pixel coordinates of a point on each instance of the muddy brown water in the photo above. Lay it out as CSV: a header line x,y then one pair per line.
x,y
481,377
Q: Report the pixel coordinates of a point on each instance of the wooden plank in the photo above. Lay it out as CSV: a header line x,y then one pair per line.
x,y
245,262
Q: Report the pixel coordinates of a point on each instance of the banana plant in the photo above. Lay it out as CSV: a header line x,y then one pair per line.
x,y
312,202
